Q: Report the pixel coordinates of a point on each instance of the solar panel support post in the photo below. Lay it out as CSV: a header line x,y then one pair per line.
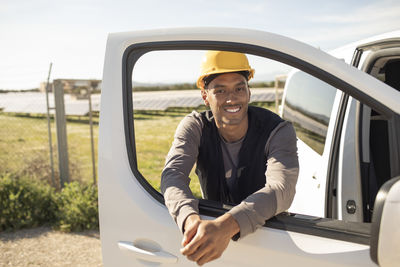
x,y
61,126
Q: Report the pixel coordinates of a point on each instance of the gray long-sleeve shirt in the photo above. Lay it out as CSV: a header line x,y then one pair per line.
x,y
251,213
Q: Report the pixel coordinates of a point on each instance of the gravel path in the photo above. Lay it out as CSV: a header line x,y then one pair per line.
x,y
44,247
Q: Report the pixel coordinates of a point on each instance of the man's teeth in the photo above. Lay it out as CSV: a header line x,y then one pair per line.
x,y
232,109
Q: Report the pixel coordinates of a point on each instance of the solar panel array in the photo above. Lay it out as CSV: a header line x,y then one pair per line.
x,y
35,103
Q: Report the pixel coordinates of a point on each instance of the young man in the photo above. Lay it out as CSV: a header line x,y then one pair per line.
x,y
245,156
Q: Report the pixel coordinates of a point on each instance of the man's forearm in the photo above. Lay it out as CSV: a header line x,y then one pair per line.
x,y
228,223
178,198
252,212
179,162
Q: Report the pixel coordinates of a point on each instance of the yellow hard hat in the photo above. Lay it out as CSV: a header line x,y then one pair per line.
x,y
215,62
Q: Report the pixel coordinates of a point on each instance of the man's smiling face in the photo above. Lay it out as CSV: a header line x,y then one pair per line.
x,y
228,96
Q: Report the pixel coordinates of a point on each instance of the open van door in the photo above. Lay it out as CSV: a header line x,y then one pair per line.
x,y
135,226
371,150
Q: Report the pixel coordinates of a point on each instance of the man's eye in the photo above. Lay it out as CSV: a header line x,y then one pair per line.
x,y
239,89
220,91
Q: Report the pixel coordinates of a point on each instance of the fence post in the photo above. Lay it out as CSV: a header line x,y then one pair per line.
x,y
62,145
49,128
91,133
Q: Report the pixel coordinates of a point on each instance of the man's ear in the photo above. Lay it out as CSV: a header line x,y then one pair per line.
x,y
204,96
249,93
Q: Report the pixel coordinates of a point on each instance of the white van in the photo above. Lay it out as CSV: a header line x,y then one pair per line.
x,y
135,226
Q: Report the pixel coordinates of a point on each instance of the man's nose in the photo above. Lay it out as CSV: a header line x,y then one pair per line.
x,y
231,97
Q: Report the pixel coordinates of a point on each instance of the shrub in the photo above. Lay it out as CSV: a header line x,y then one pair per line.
x,y
77,207
37,166
25,203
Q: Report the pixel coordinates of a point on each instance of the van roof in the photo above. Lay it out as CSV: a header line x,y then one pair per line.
x,y
346,52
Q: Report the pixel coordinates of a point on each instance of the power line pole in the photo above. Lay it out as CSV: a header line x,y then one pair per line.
x,y
91,132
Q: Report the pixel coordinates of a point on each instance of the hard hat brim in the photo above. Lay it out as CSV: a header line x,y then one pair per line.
x,y
200,80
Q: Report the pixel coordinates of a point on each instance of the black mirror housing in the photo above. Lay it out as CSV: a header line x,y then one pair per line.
x,y
385,232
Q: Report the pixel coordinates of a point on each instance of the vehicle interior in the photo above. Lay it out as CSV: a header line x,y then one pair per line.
x,y
379,136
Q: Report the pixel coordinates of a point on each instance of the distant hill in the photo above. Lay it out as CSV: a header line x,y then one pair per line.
x,y
19,91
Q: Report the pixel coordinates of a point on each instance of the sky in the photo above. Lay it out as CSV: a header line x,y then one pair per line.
x,y
72,34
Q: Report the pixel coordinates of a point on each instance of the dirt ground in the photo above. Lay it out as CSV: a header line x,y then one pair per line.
x,y
43,246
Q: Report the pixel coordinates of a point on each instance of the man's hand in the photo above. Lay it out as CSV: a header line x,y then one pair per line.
x,y
205,240
190,228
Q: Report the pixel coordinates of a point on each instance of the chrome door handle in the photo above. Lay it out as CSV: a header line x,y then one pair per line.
x,y
153,255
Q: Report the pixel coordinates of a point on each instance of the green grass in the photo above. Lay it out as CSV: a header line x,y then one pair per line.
x,y
24,147
20,139
154,136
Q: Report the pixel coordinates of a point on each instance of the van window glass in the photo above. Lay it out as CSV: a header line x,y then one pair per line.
x,y
308,105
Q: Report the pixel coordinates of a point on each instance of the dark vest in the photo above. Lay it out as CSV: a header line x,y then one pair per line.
x,y
252,160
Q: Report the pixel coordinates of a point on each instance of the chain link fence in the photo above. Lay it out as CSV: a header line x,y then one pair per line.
x,y
25,147
24,141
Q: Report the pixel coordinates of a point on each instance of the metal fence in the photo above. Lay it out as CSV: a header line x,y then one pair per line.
x,y
59,147
24,145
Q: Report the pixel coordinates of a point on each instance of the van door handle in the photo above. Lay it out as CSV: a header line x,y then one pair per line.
x,y
147,254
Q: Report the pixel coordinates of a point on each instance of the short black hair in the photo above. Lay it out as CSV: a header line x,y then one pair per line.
x,y
211,77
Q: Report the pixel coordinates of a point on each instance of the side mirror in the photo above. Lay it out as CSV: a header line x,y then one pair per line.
x,y
385,229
